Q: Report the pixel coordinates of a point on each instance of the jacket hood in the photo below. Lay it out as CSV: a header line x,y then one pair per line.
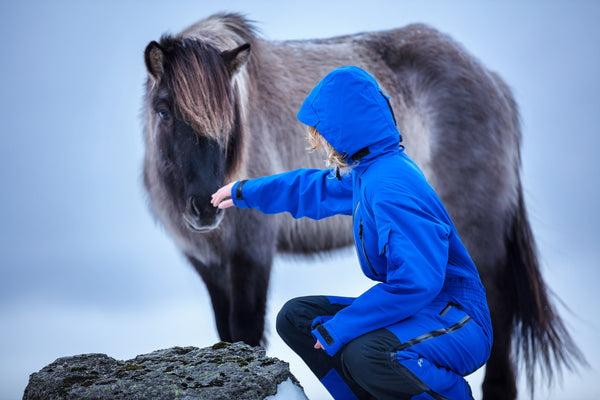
x,y
352,113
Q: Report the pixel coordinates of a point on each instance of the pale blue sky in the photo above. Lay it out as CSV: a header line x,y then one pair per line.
x,y
83,268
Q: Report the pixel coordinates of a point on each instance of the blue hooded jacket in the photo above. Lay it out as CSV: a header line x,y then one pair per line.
x,y
404,237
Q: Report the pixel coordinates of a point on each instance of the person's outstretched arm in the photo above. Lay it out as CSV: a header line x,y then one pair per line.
x,y
312,193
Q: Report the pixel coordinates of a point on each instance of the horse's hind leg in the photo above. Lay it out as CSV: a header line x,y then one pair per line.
x,y
217,284
249,286
500,374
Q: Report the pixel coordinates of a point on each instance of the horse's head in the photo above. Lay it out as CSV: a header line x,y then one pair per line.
x,y
193,126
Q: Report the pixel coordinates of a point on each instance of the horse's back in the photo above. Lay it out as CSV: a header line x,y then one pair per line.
x,y
458,120
460,124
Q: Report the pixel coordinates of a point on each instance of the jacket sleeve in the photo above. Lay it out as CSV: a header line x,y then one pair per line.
x,y
416,248
312,193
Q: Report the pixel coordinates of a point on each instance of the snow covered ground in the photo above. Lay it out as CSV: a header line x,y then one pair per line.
x,y
287,391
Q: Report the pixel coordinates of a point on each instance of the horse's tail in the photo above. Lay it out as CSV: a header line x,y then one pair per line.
x,y
540,337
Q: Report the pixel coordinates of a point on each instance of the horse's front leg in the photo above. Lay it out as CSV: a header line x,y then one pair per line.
x,y
250,271
215,278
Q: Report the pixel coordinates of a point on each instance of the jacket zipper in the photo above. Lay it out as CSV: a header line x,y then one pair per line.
x,y
354,213
362,242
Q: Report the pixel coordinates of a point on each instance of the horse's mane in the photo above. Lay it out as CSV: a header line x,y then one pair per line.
x,y
193,69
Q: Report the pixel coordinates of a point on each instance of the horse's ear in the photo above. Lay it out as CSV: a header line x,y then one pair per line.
x,y
236,58
154,58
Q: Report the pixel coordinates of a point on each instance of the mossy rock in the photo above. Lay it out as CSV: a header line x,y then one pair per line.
x,y
223,371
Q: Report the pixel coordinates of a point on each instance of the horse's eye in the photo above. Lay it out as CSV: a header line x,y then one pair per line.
x,y
164,114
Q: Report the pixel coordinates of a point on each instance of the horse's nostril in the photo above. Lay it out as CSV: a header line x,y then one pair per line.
x,y
194,207
200,208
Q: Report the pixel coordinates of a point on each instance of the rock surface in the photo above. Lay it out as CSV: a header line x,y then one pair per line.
x,y
224,371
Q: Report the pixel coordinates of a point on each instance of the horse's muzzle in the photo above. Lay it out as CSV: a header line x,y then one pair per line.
x,y
201,216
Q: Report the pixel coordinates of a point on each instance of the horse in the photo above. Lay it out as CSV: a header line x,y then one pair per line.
x,y
220,105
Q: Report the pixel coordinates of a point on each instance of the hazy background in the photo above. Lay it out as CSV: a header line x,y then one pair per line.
x,y
84,269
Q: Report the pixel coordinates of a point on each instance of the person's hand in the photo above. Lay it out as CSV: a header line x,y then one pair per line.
x,y
222,197
318,345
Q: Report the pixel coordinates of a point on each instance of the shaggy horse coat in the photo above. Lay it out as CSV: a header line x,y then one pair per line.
x,y
220,106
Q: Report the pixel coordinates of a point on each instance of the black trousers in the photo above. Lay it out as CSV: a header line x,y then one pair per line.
x,y
367,367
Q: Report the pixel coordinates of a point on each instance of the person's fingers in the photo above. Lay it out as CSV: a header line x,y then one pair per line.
x,y
215,199
226,204
218,197
221,194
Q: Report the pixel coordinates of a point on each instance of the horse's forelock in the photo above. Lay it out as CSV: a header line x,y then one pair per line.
x,y
201,86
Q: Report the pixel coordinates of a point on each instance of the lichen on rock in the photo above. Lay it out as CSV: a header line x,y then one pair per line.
x,y
223,371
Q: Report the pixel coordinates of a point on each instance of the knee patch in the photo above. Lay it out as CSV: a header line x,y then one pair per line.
x,y
439,383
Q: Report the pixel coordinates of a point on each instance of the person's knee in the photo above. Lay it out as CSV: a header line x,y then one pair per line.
x,y
284,318
293,315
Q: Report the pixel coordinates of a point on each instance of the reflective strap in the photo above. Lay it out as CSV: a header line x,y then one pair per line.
x,y
447,308
433,334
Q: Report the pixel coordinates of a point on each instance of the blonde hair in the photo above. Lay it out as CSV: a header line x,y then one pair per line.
x,y
334,158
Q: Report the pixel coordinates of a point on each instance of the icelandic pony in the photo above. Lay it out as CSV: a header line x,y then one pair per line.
x,y
220,106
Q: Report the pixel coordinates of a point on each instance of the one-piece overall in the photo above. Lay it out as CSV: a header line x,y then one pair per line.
x,y
425,324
